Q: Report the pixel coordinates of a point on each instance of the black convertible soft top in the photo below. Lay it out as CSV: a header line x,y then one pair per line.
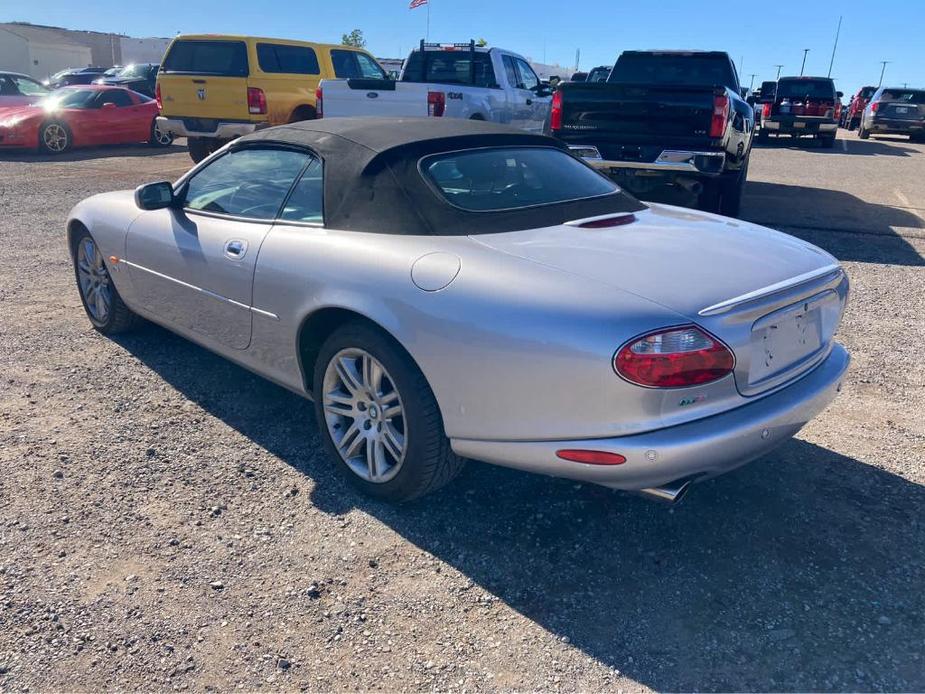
x,y
372,181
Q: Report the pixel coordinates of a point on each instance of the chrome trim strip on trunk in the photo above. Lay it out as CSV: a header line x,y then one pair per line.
x,y
729,304
208,293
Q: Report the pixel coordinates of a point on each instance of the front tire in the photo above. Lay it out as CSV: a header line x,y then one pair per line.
x,y
55,137
105,308
378,416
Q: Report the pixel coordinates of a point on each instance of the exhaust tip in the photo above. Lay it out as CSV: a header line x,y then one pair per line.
x,y
670,493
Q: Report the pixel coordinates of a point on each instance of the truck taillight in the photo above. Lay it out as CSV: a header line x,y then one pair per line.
x,y
720,115
436,104
157,96
874,106
319,103
256,101
555,112
674,358
766,110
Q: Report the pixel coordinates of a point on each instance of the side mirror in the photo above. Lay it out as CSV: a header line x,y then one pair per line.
x,y
155,196
839,94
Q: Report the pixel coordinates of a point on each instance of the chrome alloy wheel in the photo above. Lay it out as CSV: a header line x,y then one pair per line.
x,y
364,415
95,285
161,137
55,137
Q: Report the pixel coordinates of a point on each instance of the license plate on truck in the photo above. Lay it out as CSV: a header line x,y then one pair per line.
x,y
784,338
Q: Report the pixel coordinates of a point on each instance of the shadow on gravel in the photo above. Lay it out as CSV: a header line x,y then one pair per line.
x,y
848,227
90,153
803,571
855,147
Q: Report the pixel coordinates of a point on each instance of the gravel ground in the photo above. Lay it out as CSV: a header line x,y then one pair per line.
x,y
169,520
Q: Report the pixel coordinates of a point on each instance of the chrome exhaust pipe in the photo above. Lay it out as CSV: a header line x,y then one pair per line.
x,y
670,493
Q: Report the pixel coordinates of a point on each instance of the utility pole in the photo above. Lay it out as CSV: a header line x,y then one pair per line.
x,y
577,58
805,51
837,32
778,70
884,63
752,83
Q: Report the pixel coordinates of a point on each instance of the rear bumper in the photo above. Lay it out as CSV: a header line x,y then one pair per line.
x,y
803,125
896,126
223,130
699,449
701,163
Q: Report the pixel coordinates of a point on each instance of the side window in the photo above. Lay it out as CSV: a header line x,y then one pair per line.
x,y
7,88
369,67
293,60
528,78
29,87
246,183
115,96
306,203
349,64
510,71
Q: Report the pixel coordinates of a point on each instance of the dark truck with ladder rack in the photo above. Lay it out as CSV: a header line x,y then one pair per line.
x,y
675,117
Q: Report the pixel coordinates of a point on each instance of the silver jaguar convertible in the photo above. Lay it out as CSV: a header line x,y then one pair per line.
x,y
444,290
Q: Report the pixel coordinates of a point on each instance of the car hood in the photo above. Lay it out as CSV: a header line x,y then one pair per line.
x,y
682,259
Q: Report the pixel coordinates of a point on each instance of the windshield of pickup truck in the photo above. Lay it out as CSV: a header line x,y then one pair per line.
x,y
510,178
449,67
674,68
813,89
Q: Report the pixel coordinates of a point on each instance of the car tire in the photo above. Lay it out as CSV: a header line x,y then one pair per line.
x,y
763,136
862,133
98,294
157,138
828,142
55,137
199,148
426,462
724,195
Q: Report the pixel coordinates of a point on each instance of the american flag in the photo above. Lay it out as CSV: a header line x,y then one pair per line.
x,y
416,3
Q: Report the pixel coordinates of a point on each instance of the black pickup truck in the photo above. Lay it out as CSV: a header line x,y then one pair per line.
x,y
663,117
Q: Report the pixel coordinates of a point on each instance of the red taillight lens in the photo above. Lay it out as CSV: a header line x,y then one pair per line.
x,y
766,110
720,115
256,101
319,103
577,455
874,106
674,358
436,104
157,96
555,112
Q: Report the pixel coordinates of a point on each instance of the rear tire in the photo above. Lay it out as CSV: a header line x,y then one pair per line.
x,y
158,138
724,195
862,133
828,142
98,294
199,148
353,405
763,136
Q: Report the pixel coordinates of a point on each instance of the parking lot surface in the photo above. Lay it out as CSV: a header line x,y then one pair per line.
x,y
170,521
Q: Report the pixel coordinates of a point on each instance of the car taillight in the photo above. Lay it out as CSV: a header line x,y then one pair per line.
x,y
319,103
674,358
874,106
766,110
436,104
157,96
555,111
256,101
720,115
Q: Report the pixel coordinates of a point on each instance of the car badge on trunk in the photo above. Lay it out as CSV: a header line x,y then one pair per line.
x,y
201,93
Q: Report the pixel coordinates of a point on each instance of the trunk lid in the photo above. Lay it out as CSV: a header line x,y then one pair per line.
x,y
900,110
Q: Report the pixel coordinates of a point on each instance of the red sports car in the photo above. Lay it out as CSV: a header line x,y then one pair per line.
x,y
82,116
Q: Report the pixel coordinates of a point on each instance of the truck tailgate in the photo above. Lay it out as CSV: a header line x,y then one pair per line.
x,y
204,96
365,97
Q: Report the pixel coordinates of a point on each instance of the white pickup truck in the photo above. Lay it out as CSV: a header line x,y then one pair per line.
x,y
447,80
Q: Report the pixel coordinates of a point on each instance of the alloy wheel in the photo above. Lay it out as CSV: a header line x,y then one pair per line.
x,y
95,284
55,137
364,415
161,137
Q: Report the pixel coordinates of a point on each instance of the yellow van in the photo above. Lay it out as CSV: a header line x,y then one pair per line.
x,y
212,88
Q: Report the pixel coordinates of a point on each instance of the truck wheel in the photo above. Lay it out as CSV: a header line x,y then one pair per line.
x,y
763,136
862,133
724,195
828,142
199,148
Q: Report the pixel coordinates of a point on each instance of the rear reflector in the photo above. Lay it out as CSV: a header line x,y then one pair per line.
x,y
577,455
720,115
436,104
674,358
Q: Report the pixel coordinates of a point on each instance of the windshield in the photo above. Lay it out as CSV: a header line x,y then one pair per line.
x,y
494,179
674,68
909,96
133,72
811,89
69,98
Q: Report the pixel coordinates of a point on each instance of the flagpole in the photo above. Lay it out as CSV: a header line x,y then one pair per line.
x,y
427,32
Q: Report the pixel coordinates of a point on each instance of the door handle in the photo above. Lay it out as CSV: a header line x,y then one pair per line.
x,y
235,249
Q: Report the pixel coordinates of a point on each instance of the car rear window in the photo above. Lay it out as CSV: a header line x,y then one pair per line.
x,y
814,89
910,96
293,60
674,68
219,58
868,92
450,67
510,178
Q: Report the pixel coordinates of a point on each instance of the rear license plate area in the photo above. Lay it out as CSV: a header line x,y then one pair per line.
x,y
783,340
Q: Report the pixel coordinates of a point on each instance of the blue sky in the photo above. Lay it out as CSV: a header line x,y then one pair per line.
x,y
761,34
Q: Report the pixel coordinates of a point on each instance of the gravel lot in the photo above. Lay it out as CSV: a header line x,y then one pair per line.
x,y
169,520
